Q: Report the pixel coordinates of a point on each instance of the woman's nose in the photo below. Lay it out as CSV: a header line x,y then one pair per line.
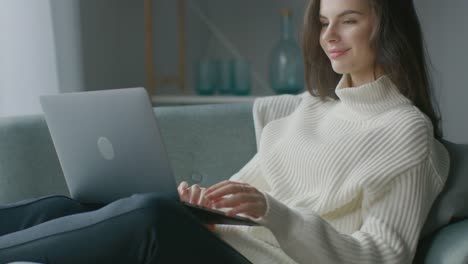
x,y
330,34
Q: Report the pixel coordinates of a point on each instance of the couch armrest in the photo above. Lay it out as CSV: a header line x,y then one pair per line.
x,y
449,245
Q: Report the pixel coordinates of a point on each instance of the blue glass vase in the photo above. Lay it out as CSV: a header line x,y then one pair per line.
x,y
286,72
206,76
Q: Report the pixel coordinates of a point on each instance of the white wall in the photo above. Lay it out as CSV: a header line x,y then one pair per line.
x,y
68,44
27,56
40,52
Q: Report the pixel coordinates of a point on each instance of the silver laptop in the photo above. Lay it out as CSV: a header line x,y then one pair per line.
x,y
109,146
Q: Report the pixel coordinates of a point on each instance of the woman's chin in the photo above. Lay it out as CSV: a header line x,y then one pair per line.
x,y
340,68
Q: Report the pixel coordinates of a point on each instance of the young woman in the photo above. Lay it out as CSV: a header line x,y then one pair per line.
x,y
344,173
347,172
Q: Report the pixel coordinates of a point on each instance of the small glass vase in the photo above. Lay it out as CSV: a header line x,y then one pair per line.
x,y
286,66
242,77
206,73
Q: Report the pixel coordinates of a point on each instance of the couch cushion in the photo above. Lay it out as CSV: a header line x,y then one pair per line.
x,y
448,245
451,204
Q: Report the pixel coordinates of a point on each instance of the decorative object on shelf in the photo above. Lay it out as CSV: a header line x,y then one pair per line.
x,y
286,71
241,73
231,76
206,76
237,58
227,85
226,68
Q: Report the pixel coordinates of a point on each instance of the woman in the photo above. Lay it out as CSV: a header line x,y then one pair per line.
x,y
345,173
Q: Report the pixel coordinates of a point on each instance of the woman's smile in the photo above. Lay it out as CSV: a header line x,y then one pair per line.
x,y
336,53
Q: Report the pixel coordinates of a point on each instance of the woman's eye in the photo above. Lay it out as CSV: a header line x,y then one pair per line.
x,y
349,22
323,24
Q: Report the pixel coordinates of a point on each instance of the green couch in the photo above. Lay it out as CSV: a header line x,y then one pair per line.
x,y
206,144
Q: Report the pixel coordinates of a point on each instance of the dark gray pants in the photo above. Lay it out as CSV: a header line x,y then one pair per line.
x,y
144,228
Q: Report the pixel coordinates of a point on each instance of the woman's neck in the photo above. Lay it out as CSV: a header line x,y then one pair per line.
x,y
356,79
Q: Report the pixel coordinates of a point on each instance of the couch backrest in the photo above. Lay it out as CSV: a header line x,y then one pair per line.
x,y
208,143
451,205
205,144
29,165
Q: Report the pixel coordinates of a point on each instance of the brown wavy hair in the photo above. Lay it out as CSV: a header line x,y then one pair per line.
x,y
398,41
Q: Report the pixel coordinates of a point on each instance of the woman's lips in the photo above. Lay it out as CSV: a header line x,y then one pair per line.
x,y
333,54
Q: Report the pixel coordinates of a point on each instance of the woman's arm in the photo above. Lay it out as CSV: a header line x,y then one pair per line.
x,y
389,232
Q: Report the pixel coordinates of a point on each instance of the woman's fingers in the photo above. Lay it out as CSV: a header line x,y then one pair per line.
x,y
235,200
182,186
226,188
241,197
254,209
195,192
253,205
203,201
192,194
218,185
183,191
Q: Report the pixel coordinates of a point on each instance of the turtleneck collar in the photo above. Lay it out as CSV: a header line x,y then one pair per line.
x,y
369,99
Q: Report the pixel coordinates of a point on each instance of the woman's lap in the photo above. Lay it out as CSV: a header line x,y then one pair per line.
x,y
24,214
145,228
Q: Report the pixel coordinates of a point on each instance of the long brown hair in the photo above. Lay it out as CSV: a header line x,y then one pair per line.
x,y
400,51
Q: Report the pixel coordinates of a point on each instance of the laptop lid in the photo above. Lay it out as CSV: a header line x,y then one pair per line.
x,y
108,144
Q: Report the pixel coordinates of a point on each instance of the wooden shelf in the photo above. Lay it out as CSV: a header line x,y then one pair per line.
x,y
152,80
191,100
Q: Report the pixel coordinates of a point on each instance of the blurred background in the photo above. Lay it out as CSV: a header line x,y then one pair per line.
x,y
56,46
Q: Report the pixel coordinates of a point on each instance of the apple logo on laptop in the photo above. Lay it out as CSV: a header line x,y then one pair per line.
x,y
105,148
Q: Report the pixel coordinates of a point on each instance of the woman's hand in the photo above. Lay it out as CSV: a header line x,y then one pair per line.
x,y
241,197
193,194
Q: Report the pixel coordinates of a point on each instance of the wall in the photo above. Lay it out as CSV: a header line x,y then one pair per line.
x,y
68,47
40,53
444,26
112,43
27,57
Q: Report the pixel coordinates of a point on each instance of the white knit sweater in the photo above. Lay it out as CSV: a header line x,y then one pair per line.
x,y
346,181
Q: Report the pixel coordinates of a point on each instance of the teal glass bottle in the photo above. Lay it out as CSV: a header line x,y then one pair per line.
x,y
286,66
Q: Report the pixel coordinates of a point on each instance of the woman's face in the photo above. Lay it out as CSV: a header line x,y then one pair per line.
x,y
345,37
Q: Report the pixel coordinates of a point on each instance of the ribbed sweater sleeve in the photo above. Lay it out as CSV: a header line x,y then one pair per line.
x,y
388,235
252,174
